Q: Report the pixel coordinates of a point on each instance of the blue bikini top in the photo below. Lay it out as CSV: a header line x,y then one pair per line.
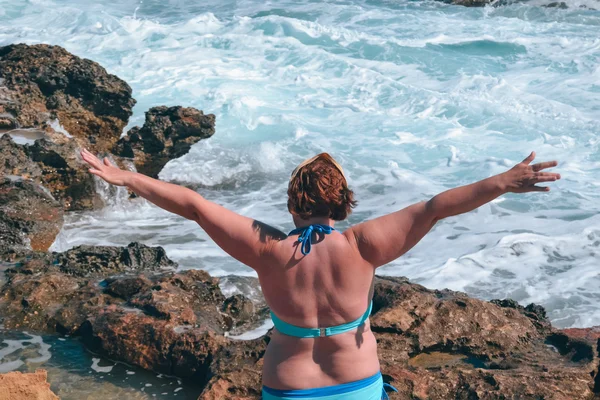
x,y
305,235
305,238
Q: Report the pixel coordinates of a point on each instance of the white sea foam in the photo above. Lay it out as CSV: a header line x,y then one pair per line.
x,y
11,347
411,97
97,368
55,124
255,333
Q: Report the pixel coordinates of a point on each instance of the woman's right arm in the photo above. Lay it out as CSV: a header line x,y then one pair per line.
x,y
245,239
386,238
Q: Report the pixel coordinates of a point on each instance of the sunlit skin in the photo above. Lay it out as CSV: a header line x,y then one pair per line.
x,y
332,285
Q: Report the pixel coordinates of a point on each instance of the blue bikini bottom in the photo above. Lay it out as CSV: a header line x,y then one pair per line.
x,y
371,388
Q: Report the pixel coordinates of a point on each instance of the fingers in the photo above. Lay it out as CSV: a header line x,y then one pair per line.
x,y
529,158
539,179
539,189
107,162
95,172
91,159
550,176
544,165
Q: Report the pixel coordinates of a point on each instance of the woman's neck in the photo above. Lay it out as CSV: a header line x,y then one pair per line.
x,y
300,223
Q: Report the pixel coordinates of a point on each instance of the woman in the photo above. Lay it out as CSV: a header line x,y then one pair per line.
x,y
318,281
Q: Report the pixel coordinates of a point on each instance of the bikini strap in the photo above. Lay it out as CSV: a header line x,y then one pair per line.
x,y
305,235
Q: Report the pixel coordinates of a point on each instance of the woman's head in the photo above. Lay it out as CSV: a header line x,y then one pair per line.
x,y
318,188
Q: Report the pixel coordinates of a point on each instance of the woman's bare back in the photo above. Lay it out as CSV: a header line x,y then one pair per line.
x,y
328,287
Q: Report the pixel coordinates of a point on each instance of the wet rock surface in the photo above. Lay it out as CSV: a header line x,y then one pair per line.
x,y
55,165
15,160
30,218
445,345
41,83
167,133
19,386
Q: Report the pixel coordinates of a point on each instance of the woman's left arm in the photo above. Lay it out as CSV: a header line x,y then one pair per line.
x,y
243,238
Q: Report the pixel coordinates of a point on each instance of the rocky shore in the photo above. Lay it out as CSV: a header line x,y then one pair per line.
x,y
131,304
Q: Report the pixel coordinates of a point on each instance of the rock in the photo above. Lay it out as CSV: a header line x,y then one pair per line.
x,y
14,160
189,298
239,307
472,3
20,386
590,334
153,344
442,345
65,174
57,166
41,83
103,261
448,321
30,218
556,4
74,103
125,287
167,133
48,301
57,292
235,373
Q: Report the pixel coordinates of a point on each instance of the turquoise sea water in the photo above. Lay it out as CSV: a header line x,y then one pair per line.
x,y
411,97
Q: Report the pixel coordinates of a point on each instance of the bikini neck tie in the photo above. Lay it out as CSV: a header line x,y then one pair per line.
x,y
306,235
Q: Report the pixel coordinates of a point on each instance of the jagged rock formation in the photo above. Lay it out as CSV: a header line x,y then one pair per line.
x,y
167,133
41,83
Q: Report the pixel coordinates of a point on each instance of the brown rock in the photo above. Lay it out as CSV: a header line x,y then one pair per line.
x,y
104,261
65,174
236,372
188,298
443,345
449,321
41,83
14,160
153,344
590,334
19,386
33,301
30,218
57,166
167,133
57,292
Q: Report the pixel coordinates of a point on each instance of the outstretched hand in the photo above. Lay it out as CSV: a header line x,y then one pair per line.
x,y
524,177
105,169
